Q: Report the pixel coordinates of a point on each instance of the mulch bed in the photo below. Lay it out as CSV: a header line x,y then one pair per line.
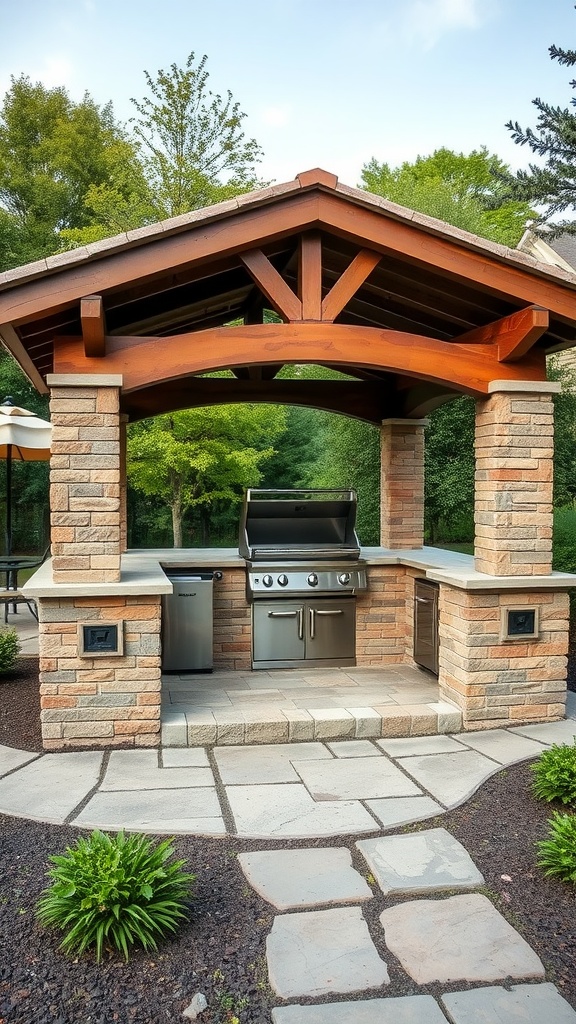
x,y
221,950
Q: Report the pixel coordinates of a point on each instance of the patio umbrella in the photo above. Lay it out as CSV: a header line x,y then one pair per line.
x,y
24,437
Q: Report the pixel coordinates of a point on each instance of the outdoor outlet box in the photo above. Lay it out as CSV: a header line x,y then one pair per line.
x,y
100,639
519,623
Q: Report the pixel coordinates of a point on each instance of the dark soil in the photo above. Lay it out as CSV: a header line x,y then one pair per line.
x,y
221,950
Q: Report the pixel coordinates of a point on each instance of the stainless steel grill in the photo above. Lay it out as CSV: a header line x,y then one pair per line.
x,y
303,571
301,542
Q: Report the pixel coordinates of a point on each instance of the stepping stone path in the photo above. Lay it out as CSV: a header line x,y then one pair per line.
x,y
403,1010
530,1004
420,863
289,879
317,953
320,952
462,938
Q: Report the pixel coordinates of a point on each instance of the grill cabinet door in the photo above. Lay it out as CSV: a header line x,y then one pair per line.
x,y
426,626
278,633
331,628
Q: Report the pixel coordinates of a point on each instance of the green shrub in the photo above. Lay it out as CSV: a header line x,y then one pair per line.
x,y
555,775
115,891
9,647
557,854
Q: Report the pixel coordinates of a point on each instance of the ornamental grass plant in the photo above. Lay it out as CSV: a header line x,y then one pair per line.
x,y
555,775
115,892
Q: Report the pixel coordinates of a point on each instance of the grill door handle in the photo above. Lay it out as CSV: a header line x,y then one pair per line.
x,y
291,615
318,611
424,600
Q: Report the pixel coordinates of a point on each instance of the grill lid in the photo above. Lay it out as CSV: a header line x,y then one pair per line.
x,y
299,524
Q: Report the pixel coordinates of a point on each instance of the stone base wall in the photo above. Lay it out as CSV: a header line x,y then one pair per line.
x,y
232,621
498,683
107,701
381,624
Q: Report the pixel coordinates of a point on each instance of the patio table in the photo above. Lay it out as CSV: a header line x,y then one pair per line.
x,y
10,566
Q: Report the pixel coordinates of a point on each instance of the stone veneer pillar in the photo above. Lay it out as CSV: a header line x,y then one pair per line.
x,y
85,478
494,677
123,484
513,488
402,483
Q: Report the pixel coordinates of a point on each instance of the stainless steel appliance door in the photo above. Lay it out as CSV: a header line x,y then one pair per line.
x,y
278,631
187,624
426,626
331,629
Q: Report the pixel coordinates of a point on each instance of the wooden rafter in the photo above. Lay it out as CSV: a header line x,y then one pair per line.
x,y
514,335
348,284
93,322
272,284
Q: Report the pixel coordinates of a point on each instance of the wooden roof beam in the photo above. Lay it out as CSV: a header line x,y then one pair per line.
x,y
272,285
93,320
310,275
348,284
515,334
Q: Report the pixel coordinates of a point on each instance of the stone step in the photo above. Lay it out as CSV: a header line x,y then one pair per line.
x,y
235,726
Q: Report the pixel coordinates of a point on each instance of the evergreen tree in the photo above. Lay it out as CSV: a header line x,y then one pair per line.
x,y
552,186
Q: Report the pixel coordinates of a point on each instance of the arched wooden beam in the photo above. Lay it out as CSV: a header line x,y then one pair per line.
x,y
363,400
145,361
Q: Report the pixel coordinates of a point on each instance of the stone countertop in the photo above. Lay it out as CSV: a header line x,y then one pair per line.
x,y
142,571
457,569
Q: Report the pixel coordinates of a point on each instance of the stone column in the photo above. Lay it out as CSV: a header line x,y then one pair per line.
x,y
402,483
123,484
85,477
514,469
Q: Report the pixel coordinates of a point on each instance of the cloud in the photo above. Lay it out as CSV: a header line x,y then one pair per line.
x,y
57,70
277,115
427,21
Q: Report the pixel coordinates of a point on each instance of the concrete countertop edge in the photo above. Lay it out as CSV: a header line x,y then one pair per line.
x,y
142,571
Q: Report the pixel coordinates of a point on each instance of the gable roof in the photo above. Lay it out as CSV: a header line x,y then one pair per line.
x,y
188,273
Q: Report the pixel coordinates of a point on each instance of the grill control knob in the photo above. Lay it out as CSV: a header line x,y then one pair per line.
x,y
267,580
312,579
283,579
344,578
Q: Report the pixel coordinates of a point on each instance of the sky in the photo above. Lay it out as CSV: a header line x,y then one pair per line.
x,y
323,83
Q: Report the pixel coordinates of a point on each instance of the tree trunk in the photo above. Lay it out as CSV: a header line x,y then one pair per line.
x,y
176,508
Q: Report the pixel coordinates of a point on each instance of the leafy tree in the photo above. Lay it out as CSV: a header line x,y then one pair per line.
x,y
457,188
194,150
298,449
564,433
449,472
352,459
52,151
552,186
195,458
